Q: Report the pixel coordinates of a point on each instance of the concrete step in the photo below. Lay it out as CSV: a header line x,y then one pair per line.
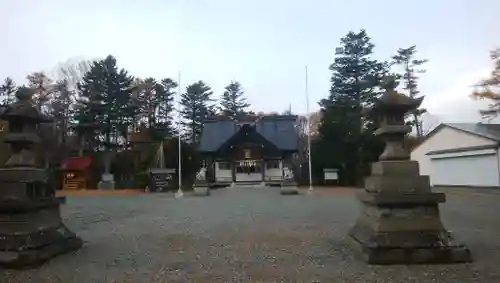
x,y
249,184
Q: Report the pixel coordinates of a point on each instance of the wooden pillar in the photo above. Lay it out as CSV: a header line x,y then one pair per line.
x,y
281,169
233,169
263,168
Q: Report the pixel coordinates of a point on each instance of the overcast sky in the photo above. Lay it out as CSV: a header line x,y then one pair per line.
x,y
264,44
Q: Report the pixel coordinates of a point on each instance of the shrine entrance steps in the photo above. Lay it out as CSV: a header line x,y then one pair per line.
x,y
248,185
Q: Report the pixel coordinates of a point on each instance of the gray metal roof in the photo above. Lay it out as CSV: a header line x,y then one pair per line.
x,y
215,133
489,131
279,130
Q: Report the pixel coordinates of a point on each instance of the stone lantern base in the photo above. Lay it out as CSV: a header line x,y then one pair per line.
x,y
289,189
48,244
400,221
201,191
31,228
42,236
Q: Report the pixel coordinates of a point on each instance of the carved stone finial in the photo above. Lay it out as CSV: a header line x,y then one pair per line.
x,y
390,83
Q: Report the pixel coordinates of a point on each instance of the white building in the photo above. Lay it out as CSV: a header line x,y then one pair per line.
x,y
461,154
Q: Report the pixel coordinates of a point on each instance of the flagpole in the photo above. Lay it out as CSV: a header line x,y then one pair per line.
x,y
179,169
311,189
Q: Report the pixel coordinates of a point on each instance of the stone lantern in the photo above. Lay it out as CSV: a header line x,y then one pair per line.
x,y
400,221
31,228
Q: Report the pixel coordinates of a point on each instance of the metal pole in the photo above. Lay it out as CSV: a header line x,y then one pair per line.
x,y
311,189
179,169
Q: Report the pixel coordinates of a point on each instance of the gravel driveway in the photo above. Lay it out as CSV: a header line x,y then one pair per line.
x,y
250,235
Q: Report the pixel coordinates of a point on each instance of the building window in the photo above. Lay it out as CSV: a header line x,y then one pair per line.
x,y
239,169
3,126
248,163
273,164
248,153
254,169
224,166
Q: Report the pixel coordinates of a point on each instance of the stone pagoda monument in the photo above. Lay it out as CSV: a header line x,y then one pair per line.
x,y
31,229
400,221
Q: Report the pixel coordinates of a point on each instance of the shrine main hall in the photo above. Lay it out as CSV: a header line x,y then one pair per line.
x,y
250,149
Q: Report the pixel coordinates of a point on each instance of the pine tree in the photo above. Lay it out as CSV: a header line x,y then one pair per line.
x,y
105,101
489,88
154,101
195,108
344,133
7,91
232,101
60,108
405,58
90,108
146,100
166,93
43,88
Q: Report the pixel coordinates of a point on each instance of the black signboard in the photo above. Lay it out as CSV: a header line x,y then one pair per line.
x,y
162,180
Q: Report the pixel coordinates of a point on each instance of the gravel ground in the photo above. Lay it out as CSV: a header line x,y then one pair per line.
x,y
250,235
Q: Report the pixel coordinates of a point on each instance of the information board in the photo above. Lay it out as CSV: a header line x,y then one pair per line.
x,y
330,174
162,180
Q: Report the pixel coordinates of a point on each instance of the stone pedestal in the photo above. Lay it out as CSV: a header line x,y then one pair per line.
x,y
201,191
289,190
107,182
31,228
201,187
400,221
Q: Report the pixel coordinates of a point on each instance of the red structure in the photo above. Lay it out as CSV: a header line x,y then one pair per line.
x,y
75,172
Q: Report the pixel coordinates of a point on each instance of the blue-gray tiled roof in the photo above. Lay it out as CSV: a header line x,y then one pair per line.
x,y
215,133
279,130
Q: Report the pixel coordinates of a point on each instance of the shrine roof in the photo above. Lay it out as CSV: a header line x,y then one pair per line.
x,y
280,130
23,108
489,131
76,163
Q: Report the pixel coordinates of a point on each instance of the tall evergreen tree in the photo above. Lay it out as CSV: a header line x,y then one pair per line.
x,y
489,88
147,101
104,103
7,91
405,57
43,87
154,102
166,93
60,108
232,101
345,135
195,107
